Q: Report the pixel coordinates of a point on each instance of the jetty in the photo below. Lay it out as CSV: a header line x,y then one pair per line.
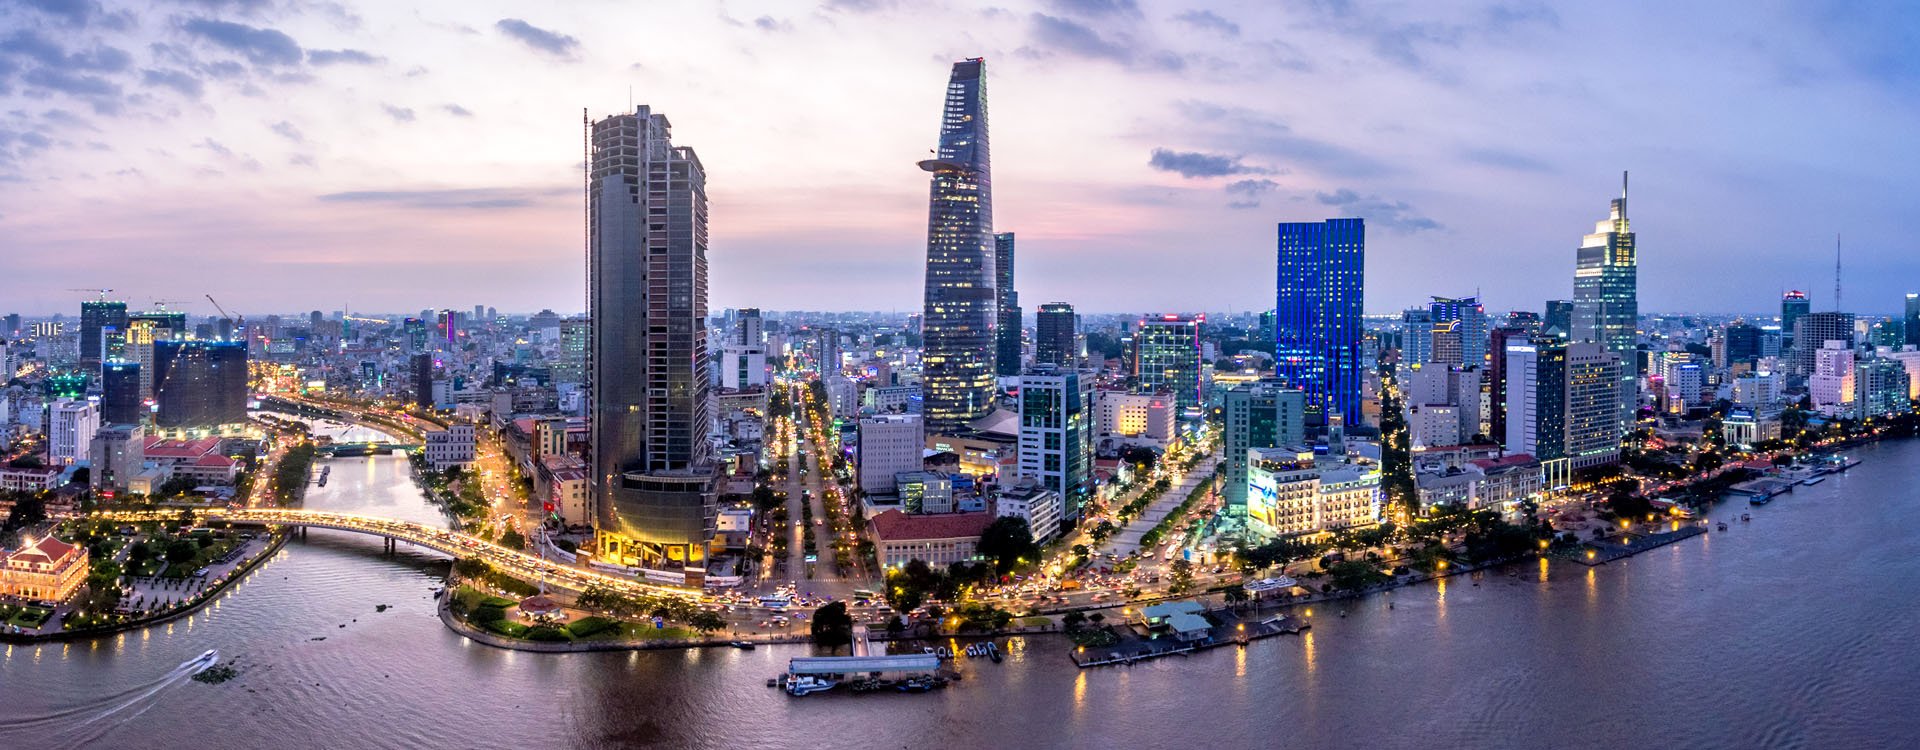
x,y
1181,628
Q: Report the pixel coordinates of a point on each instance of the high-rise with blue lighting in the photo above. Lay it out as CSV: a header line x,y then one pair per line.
x,y
962,300
1317,326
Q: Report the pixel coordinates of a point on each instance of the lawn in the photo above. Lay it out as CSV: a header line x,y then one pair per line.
x,y
28,617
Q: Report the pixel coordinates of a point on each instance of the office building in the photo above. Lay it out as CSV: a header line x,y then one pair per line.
x,y
1007,337
454,446
1040,507
1317,314
199,384
1738,343
96,318
118,455
1537,398
1830,383
1606,300
1166,356
570,365
120,401
1054,331
654,492
1265,414
890,444
421,368
1497,341
743,365
1793,304
1812,331
1462,325
1594,432
1558,321
1910,322
1149,419
962,299
71,425
1055,447
1416,336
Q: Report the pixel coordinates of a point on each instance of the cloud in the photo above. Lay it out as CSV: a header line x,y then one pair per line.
x,y
214,146
1243,129
1494,157
468,198
180,81
550,42
288,131
346,56
1249,192
1394,215
1052,34
456,110
72,83
261,46
769,23
1094,8
1207,20
31,45
1197,164
399,114
858,6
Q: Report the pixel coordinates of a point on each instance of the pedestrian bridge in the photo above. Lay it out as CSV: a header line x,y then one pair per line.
x,y
510,561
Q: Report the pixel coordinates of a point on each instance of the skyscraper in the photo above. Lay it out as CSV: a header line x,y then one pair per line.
x,y
1793,304
1053,336
1056,435
120,393
1559,318
1166,356
1912,320
1497,378
1258,415
96,315
1813,330
1537,398
1466,320
1007,337
1593,393
200,383
1416,336
1606,299
647,365
1321,297
962,301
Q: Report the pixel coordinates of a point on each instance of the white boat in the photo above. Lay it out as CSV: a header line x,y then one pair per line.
x,y
1811,481
804,684
202,662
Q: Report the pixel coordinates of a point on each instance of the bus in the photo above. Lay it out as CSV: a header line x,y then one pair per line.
x,y
776,601
862,596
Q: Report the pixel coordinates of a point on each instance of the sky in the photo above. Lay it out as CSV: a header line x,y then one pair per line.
x,y
392,156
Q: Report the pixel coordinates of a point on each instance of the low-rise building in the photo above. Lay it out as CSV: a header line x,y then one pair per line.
x,y
1039,506
450,447
938,540
565,478
1289,492
44,570
27,479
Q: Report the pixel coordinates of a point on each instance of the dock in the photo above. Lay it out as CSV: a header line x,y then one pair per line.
x,y
1602,551
1141,642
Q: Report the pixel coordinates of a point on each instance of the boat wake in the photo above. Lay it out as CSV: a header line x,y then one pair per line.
x,y
83,723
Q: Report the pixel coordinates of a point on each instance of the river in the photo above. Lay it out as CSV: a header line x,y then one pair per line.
x,y
1794,630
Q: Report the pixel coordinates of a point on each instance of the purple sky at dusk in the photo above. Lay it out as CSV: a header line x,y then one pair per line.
x,y
392,156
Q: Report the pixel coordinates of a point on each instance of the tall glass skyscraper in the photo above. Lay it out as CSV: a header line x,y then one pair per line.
x,y
1007,338
647,357
962,300
1912,320
1166,356
1321,297
1606,298
94,317
1793,304
1055,328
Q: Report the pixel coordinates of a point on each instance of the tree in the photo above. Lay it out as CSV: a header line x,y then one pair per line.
x,y
1008,543
832,626
896,626
181,550
708,621
512,539
1236,594
26,511
1182,576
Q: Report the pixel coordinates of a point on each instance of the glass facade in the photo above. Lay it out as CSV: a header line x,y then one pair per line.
x,y
1056,435
120,393
200,383
1053,335
1317,313
962,302
94,317
1166,357
1606,299
1007,337
647,357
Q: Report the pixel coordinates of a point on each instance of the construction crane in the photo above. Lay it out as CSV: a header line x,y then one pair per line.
x,y
162,303
223,311
101,292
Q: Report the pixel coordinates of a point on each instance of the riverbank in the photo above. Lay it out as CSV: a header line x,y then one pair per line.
x,y
245,568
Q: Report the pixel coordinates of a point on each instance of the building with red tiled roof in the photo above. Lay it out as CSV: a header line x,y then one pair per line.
x,y
937,539
199,460
44,570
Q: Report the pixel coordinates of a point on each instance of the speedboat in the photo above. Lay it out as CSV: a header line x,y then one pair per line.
x,y
202,662
742,645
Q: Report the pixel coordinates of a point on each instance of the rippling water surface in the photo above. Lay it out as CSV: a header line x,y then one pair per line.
x,y
1794,630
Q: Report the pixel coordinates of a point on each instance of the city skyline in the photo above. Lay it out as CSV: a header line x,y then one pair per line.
x,y
469,176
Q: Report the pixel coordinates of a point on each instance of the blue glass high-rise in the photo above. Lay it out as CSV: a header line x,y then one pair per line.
x,y
1317,313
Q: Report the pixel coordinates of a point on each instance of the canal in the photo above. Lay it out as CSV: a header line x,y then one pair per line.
x,y
1793,630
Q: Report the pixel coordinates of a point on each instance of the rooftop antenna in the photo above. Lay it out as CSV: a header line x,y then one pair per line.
x,y
1836,272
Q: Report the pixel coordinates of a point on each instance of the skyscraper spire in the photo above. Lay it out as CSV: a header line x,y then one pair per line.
x,y
962,299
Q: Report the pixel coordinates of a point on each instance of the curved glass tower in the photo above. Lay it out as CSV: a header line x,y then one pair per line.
x,y
962,303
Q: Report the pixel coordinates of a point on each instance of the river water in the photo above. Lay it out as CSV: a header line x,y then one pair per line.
x,y
1794,630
